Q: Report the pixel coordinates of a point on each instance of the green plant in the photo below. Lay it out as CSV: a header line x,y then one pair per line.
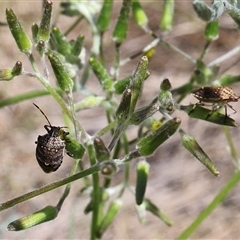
x,y
66,60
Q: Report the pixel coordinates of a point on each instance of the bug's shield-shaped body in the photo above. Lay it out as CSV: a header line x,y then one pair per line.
x,y
218,96
215,94
50,148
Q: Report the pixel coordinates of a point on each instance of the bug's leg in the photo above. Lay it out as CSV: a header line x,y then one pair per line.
x,y
231,108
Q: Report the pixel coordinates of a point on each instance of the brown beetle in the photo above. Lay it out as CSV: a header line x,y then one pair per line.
x,y
218,96
50,147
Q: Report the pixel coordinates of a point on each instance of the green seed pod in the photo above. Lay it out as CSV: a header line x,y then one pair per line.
x,y
8,74
45,25
35,32
22,40
88,102
108,169
41,47
157,212
139,15
120,31
105,16
101,152
59,42
165,96
149,144
122,112
74,148
77,46
44,215
112,211
167,17
138,78
17,69
121,85
62,76
142,176
101,74
211,31
193,147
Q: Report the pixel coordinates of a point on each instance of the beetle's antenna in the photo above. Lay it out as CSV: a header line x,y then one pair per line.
x,y
42,113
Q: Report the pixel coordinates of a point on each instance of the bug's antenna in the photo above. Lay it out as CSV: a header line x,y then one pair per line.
x,y
42,113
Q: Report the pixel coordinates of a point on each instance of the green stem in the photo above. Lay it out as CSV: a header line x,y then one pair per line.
x,y
95,193
49,187
208,210
231,147
25,96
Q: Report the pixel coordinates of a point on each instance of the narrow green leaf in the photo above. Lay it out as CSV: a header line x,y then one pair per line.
x,y
21,38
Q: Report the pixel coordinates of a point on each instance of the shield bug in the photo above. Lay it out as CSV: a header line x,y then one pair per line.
x,y
50,147
218,96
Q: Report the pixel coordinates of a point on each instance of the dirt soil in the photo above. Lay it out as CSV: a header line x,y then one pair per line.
x,y
178,184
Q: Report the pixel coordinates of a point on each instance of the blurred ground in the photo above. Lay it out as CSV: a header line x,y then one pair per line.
x,y
178,184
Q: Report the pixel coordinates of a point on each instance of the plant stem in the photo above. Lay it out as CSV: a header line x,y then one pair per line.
x,y
95,193
49,187
208,210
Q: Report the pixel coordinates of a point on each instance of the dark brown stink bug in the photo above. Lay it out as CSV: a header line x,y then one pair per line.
x,y
217,96
50,147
